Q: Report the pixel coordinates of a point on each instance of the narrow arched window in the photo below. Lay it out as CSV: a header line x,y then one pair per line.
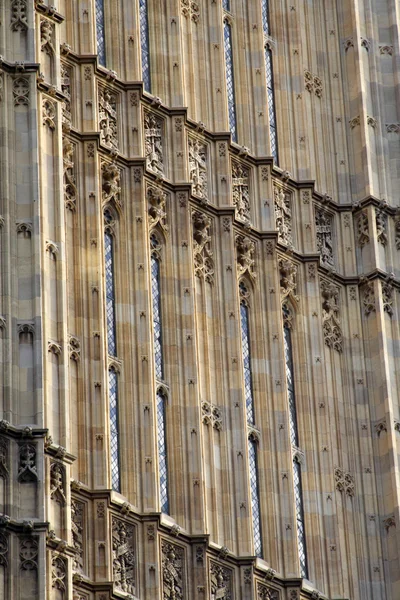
x,y
294,438
246,358
109,268
161,399
226,4
144,44
100,32
230,83
255,497
269,80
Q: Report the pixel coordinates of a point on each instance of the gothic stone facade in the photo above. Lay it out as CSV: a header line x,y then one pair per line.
x,y
94,166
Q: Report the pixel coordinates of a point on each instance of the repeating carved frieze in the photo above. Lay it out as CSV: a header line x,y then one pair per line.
x,y
266,593
202,252
59,574
330,315
153,134
388,298
3,549
77,526
124,556
288,279
190,10
57,483
245,256
21,91
173,565
19,15
198,173
70,190
323,225
66,90
49,113
362,229
4,457
221,582
108,118
283,216
381,227
111,179
241,191
368,297
27,470
47,36
211,415
28,553
157,208
344,482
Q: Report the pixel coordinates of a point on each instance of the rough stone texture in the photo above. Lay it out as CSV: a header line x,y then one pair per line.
x,y
85,152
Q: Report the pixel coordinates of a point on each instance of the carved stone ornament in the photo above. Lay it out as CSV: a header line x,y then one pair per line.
x,y
49,113
19,15
211,415
59,574
388,298
368,297
124,556
70,190
74,348
47,36
381,227
241,191
323,225
108,119
397,233
283,216
57,483
190,10
173,564
245,256
3,549
157,208
198,168
266,593
27,470
153,126
111,179
21,91
77,525
220,582
330,316
362,229
344,482
28,553
288,279
202,253
66,90
4,457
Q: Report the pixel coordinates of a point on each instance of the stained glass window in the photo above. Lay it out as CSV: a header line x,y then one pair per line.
x,y
255,498
271,103
114,435
248,386
100,32
230,85
301,537
144,43
162,452
155,294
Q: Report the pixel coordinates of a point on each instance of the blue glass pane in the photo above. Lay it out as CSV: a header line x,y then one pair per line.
x,y
144,43
162,452
226,4
114,437
101,42
248,386
230,86
287,339
271,104
156,301
265,16
301,537
110,296
255,499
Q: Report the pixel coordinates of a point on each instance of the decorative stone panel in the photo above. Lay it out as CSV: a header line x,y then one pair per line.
x,y
264,592
153,137
330,315
108,118
245,256
70,189
27,469
57,483
241,191
221,582
157,208
323,226
124,556
77,526
288,279
198,173
173,571
283,216
202,252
